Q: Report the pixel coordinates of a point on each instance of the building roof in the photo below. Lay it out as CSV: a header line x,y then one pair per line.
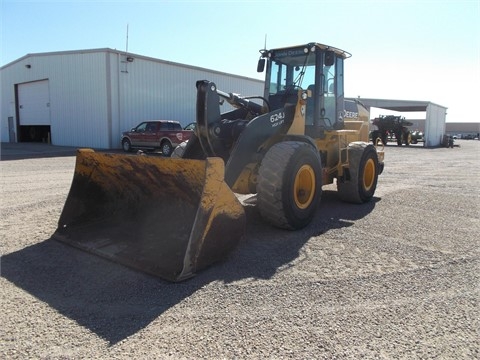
x,y
66,52
128,54
398,105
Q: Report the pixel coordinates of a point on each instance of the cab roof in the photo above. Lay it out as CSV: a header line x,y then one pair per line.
x,y
341,53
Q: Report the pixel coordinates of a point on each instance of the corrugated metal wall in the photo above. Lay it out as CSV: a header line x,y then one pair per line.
x,y
434,125
150,90
462,128
79,100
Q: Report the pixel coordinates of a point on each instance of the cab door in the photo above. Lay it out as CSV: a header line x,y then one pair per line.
x,y
151,134
137,135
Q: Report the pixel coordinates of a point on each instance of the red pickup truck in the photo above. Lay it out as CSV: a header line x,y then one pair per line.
x,y
155,134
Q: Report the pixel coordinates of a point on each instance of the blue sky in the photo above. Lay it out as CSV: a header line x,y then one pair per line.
x,y
410,50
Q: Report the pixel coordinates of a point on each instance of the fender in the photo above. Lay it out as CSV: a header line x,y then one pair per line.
x,y
266,127
303,138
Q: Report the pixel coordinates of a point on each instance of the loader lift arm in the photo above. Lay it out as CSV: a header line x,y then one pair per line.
x,y
235,136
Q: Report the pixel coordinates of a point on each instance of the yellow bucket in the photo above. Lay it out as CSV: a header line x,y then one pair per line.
x,y
167,217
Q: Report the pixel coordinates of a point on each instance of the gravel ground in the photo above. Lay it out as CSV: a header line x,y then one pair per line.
x,y
397,278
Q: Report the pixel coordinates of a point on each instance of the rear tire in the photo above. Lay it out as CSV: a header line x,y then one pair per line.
x,y
399,137
167,148
384,138
364,170
290,184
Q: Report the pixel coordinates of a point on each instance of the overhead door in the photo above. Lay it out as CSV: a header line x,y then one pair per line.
x,y
33,100
34,103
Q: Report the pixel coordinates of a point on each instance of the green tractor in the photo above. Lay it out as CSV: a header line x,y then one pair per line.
x,y
389,125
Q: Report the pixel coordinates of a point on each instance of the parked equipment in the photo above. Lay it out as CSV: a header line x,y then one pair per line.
x,y
389,125
448,141
417,136
172,217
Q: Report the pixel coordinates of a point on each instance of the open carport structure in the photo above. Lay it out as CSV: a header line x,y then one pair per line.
x,y
434,118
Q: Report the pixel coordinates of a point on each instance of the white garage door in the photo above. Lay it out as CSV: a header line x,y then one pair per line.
x,y
34,103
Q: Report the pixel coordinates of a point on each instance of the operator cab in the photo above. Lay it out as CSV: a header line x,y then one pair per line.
x,y
315,68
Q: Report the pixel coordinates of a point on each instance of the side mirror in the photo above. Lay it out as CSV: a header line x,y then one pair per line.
x,y
329,58
261,65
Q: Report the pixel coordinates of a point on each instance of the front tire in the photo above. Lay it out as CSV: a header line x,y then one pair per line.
x,y
126,145
290,184
364,170
407,137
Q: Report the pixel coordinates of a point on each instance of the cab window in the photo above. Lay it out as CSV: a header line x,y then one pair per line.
x,y
141,128
151,127
286,76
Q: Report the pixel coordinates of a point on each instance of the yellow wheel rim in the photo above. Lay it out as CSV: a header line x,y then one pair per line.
x,y
304,187
369,174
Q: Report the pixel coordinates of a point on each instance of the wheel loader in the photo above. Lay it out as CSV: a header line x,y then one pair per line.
x,y
172,217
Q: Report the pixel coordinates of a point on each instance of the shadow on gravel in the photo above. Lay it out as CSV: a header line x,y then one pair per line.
x,y
20,151
266,249
115,302
110,300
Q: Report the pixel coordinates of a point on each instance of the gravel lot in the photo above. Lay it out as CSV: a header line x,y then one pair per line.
x,y
397,278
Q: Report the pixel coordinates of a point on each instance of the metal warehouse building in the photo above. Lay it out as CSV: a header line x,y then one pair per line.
x,y
87,98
